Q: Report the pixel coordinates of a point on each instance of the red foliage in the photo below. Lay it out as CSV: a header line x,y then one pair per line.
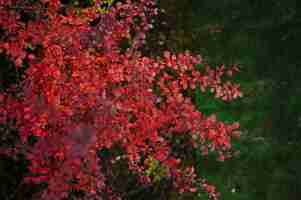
x,y
81,93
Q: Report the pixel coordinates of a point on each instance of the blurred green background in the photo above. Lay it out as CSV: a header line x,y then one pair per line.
x,y
263,37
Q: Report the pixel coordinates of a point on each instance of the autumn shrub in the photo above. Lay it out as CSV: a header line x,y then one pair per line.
x,y
83,94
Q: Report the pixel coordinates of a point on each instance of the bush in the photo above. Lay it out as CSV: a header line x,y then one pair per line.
x,y
86,102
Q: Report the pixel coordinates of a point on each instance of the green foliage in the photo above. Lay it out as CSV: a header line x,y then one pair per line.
x,y
155,171
260,36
